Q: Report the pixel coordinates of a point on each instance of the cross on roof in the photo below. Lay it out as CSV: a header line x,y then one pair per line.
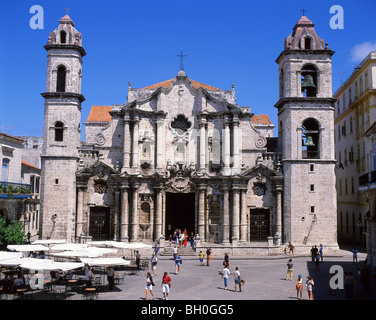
x,y
304,10
67,10
181,55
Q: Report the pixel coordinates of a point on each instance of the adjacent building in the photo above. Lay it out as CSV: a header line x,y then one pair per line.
x,y
355,114
19,183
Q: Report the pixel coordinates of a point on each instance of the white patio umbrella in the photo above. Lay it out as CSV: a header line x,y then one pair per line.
x,y
91,252
27,247
6,255
49,265
123,245
49,241
69,246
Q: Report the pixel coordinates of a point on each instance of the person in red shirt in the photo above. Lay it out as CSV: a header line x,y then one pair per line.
x,y
166,285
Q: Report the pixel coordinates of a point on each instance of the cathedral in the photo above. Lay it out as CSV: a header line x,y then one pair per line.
x,y
181,154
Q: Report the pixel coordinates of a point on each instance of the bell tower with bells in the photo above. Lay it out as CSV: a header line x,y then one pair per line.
x,y
306,139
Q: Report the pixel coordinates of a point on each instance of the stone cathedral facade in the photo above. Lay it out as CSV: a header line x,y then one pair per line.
x,y
183,154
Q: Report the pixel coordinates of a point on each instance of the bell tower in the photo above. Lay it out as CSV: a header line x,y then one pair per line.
x,y
306,139
61,131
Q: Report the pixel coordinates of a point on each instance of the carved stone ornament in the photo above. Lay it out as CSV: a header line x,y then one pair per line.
x,y
259,189
100,139
260,142
179,185
100,187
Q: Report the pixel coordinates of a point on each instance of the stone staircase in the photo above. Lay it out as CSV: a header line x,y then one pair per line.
x,y
182,251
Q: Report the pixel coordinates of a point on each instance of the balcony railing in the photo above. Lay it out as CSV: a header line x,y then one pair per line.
x,y
15,190
369,177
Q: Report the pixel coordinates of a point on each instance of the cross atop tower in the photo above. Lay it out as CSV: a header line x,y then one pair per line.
x,y
67,10
304,10
181,55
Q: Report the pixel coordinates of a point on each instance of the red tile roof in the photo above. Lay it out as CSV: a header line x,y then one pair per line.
x,y
99,113
195,84
261,119
29,165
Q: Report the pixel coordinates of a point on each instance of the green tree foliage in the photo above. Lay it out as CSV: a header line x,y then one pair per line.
x,y
11,233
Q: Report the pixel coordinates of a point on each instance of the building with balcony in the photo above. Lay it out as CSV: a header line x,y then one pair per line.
x,y
19,184
355,113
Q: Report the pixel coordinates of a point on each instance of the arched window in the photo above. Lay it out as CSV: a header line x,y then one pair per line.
x,y
309,74
61,78
310,139
5,169
59,131
307,43
63,37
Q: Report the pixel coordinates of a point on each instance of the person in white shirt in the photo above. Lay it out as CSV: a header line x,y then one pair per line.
x,y
225,274
237,280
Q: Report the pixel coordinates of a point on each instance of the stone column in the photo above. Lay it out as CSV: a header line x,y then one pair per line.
x,y
159,143
236,150
226,215
116,214
134,217
226,147
202,125
126,144
79,219
278,187
243,216
235,213
201,212
158,212
124,214
135,137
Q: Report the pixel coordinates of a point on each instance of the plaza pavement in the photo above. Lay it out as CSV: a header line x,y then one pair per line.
x,y
264,276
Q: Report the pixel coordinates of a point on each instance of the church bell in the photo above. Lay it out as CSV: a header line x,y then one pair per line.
x,y
308,83
309,142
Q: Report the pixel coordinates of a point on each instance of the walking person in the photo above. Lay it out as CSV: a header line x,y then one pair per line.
x,y
192,240
321,253
178,263
299,287
208,254
110,277
317,261
174,251
201,257
290,266
149,286
166,285
238,280
225,276
226,261
313,254
309,287
153,263
355,255
291,248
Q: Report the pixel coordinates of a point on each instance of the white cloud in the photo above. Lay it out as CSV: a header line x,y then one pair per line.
x,y
360,51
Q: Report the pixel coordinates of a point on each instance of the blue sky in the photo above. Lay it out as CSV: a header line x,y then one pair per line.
x,y
226,42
